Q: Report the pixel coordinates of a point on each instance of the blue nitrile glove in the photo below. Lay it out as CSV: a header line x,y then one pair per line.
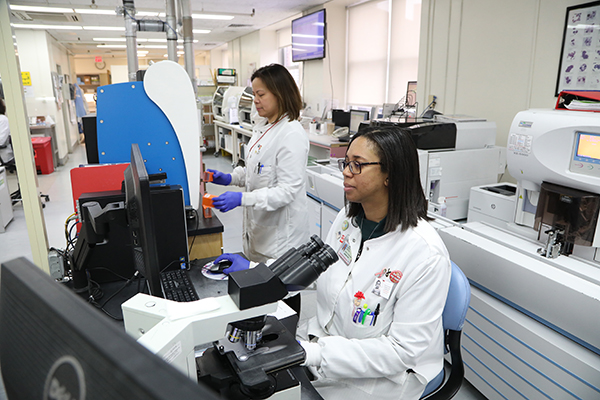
x,y
220,178
228,201
238,262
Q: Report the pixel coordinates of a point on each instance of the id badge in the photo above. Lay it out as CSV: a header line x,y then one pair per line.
x,y
345,253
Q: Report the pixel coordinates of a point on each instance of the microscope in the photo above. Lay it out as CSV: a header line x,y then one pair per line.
x,y
245,353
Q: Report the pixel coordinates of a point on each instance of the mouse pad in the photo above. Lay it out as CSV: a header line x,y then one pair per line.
x,y
210,275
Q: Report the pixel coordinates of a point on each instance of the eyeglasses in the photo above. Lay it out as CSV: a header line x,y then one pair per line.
x,y
355,166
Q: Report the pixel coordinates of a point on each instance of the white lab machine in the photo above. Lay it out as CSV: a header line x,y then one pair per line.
x,y
325,191
494,204
221,108
532,327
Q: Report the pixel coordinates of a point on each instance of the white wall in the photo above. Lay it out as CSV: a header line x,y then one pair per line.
x,y
39,54
491,59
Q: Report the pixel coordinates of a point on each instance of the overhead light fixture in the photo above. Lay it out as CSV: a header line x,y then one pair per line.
x,y
112,46
41,9
109,39
97,11
35,26
152,46
104,28
200,31
212,16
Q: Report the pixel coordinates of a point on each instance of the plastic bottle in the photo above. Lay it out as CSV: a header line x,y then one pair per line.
x,y
443,207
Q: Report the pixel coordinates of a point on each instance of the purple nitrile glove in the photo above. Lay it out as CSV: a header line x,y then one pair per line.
x,y
228,201
238,262
220,178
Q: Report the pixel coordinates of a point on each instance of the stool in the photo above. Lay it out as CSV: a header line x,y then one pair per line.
x,y
43,151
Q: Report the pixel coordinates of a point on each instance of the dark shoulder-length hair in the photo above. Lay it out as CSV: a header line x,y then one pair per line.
x,y
398,155
280,82
2,107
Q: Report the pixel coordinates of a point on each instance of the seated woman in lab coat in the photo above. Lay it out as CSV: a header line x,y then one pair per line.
x,y
377,332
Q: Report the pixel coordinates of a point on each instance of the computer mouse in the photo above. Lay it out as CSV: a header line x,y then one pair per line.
x,y
218,268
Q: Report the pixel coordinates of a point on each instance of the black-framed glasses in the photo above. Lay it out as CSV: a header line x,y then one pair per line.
x,y
355,166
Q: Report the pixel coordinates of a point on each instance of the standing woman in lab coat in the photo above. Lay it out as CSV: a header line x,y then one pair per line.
x,y
275,208
377,333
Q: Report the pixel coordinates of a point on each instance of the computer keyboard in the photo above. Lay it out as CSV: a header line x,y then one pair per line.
x,y
177,286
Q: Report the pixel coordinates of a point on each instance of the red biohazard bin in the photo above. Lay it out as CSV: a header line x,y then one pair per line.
x,y
43,150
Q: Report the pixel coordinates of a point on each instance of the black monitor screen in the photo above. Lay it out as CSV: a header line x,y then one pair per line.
x,y
141,226
53,345
308,37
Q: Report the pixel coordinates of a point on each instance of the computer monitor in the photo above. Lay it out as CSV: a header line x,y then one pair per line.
x,y
138,204
411,94
356,117
54,345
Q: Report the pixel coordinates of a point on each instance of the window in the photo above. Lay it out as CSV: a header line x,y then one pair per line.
x,y
383,49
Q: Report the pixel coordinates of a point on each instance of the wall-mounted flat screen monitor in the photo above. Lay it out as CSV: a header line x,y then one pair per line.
x,y
308,37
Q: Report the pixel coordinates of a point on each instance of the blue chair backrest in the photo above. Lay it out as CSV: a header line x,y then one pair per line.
x,y
457,303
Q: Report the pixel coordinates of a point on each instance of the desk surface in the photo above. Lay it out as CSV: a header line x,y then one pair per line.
x,y
204,226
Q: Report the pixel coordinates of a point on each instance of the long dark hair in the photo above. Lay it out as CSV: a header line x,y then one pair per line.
x,y
2,107
398,154
280,82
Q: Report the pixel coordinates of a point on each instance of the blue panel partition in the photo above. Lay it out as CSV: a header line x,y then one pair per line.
x,y
126,115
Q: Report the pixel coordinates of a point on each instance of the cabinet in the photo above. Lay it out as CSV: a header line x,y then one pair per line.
x,y
89,83
232,139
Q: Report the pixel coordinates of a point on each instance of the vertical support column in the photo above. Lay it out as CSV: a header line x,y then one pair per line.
x,y
21,140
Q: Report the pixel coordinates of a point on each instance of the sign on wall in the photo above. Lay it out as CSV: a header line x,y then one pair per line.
x,y
579,67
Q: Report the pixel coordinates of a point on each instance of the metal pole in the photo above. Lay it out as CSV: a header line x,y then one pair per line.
x,y
171,30
130,39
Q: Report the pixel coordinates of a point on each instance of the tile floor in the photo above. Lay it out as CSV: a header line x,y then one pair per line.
x,y
15,241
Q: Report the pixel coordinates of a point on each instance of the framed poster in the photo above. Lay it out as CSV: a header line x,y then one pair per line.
x,y
579,66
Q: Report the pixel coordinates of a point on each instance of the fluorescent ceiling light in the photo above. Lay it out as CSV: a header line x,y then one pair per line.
x,y
104,28
109,39
97,11
200,31
212,16
34,26
152,46
113,46
41,9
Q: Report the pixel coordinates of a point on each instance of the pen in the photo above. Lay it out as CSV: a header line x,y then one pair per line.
x,y
375,314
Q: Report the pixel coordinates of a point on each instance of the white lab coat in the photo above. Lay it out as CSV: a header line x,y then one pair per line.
x,y
372,361
275,207
4,130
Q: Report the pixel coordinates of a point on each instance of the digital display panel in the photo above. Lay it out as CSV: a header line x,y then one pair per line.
x,y
588,147
308,37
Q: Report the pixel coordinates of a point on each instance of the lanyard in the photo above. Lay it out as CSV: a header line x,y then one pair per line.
x,y
261,136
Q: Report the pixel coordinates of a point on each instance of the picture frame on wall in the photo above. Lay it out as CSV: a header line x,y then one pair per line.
x,y
579,66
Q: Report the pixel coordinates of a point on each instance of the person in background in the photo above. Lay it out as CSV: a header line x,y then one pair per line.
x,y
4,128
274,200
377,332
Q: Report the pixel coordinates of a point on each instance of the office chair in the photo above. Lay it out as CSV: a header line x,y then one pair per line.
x,y
453,319
7,160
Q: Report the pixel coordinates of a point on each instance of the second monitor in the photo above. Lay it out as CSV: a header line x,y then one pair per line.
x,y
356,117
